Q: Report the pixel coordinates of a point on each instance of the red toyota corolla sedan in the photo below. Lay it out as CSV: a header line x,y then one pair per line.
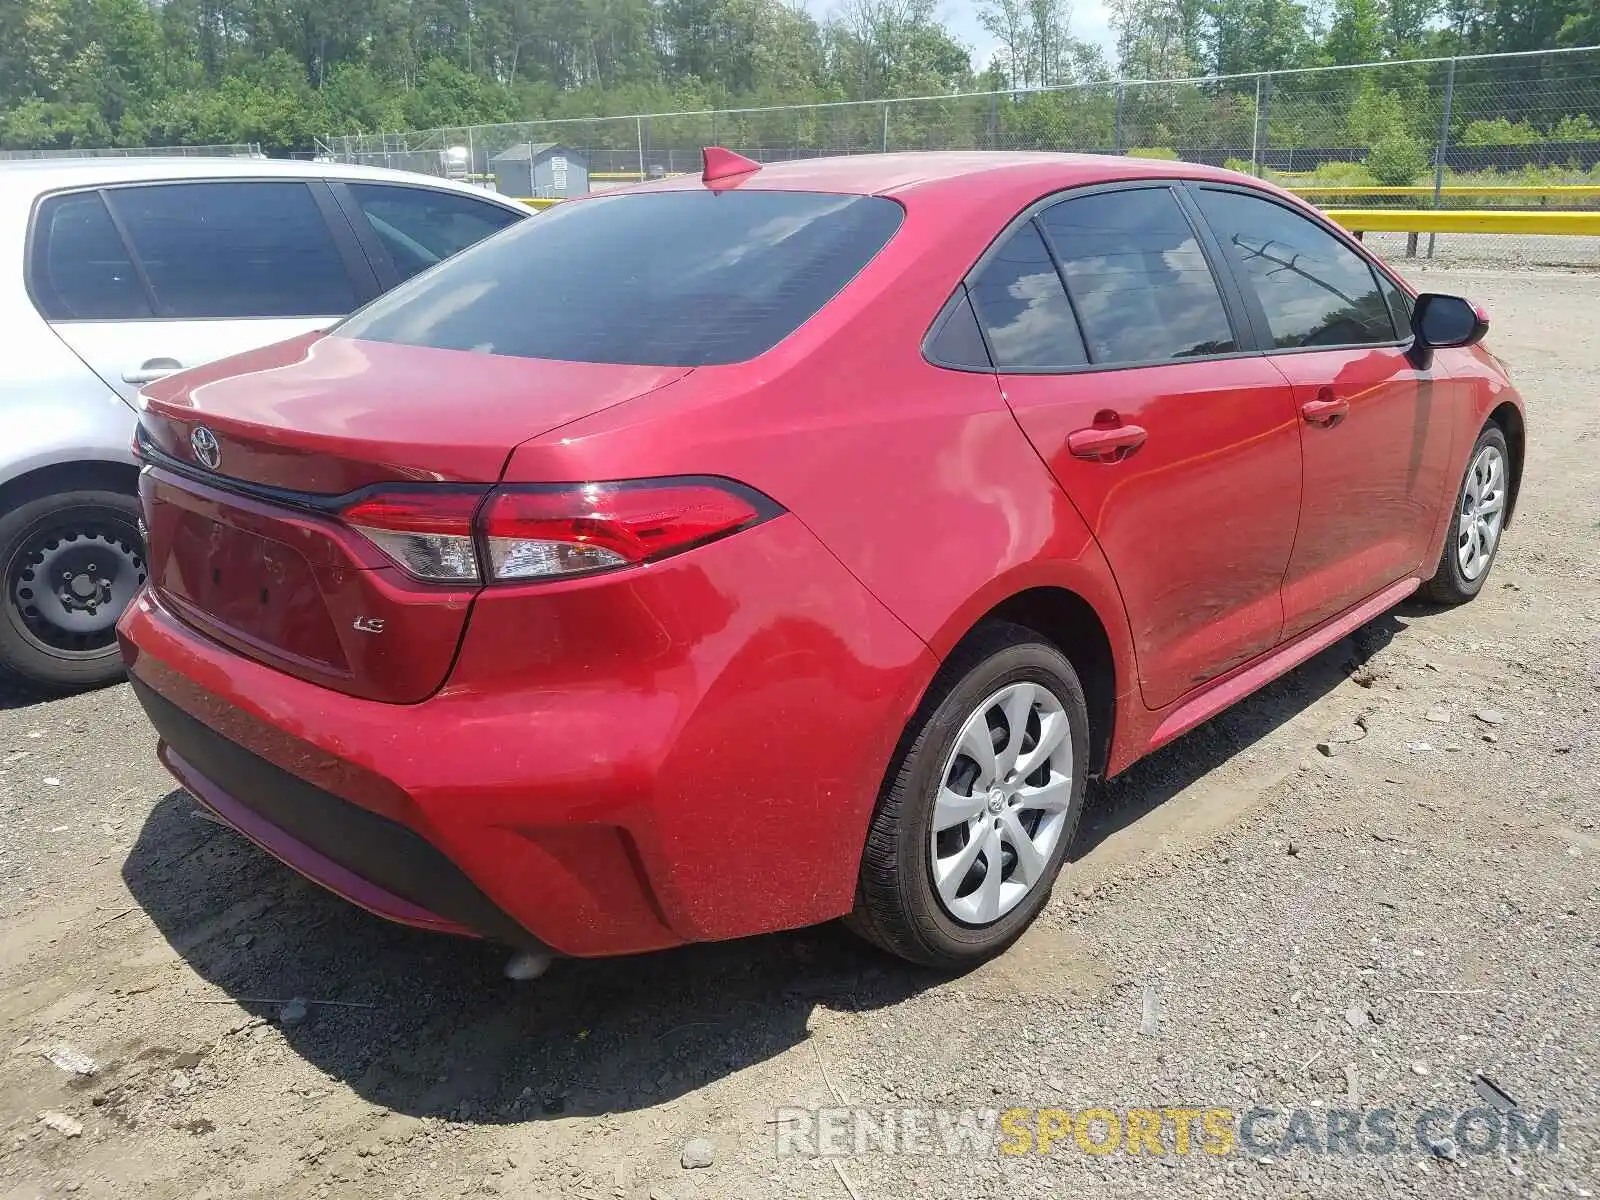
x,y
773,545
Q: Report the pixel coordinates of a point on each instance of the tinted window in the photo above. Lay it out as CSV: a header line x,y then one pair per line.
x,y
1023,308
420,227
1316,290
671,278
955,340
1138,278
81,271
1400,302
235,250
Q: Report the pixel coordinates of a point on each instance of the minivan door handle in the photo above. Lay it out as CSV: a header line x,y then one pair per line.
x,y
1105,443
150,370
1326,410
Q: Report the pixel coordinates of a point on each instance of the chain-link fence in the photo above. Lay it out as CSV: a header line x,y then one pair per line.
x,y
1506,130
231,150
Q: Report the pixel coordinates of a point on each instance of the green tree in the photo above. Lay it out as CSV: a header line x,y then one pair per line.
x,y
1357,32
1256,35
1375,114
1159,39
1036,45
893,48
1499,132
1397,159
75,72
52,125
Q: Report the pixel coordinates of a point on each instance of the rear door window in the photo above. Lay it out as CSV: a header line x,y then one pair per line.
x,y
955,339
1315,290
1023,307
247,249
80,270
1138,278
420,227
690,278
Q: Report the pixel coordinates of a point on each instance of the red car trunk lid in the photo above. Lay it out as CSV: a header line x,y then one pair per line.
x,y
328,415
249,458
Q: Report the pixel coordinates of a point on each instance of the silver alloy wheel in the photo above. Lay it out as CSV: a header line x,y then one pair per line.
x,y
1003,798
1483,510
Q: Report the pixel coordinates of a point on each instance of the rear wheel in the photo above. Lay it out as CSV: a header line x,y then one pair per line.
x,y
1473,539
981,807
69,565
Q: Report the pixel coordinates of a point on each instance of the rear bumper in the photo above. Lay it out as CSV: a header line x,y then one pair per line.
x,y
370,860
688,754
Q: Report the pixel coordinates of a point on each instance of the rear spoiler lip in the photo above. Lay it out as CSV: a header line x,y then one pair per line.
x,y
149,454
325,505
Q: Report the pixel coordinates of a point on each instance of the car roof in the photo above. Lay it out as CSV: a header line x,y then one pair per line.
x,y
905,173
35,176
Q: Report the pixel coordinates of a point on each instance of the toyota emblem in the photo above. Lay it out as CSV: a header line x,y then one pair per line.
x,y
206,451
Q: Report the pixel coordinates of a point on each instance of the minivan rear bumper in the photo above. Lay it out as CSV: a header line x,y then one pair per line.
x,y
685,752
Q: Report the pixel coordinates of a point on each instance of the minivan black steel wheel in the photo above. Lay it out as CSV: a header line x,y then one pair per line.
x,y
69,565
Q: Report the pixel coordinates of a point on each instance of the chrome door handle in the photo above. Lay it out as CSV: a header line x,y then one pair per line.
x,y
150,370
1326,410
1105,444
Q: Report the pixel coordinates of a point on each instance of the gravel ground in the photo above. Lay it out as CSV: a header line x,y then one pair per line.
x,y
1494,250
1249,923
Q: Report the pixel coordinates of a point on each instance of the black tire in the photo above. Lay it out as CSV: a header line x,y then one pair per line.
x,y
897,906
1449,584
97,526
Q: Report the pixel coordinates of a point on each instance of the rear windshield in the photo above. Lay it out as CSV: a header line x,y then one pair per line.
x,y
684,279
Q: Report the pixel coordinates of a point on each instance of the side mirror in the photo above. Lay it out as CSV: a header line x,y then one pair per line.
x,y
1444,321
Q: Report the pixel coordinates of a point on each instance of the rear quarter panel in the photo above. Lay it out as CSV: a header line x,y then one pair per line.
x,y
917,478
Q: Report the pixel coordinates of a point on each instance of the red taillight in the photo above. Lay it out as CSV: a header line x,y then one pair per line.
x,y
427,532
599,526
549,532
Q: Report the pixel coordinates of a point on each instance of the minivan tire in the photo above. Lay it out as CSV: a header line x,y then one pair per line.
x,y
78,530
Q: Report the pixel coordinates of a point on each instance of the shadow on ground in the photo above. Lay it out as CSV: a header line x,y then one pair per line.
x,y
16,694
425,1025
1153,781
445,1034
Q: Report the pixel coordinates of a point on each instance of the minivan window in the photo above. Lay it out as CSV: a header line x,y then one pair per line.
x,y
256,249
80,269
1316,291
1138,278
423,226
676,278
1024,309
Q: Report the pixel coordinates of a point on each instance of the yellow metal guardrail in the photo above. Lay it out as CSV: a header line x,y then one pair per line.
x,y
1563,191
537,203
1465,220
